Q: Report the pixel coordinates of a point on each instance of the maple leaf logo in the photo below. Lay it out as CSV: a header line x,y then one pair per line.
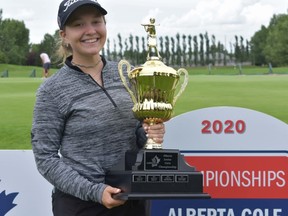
x,y
6,202
155,161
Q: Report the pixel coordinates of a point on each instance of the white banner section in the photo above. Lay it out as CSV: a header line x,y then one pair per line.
x,y
226,129
23,191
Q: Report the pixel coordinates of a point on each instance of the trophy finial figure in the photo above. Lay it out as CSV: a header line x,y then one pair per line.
x,y
152,39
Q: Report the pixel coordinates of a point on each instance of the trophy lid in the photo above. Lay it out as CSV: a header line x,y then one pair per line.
x,y
152,67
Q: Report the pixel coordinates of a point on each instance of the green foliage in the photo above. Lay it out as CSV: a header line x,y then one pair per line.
x,y
270,45
15,47
14,41
48,45
258,42
276,49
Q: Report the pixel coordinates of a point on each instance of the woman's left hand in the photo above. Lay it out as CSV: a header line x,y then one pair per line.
x,y
155,132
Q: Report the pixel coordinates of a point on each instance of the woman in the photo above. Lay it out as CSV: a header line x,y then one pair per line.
x,y
84,113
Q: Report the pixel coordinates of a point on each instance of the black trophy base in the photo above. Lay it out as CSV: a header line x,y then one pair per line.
x,y
140,196
156,174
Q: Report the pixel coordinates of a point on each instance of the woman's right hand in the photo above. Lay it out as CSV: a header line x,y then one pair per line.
x,y
107,199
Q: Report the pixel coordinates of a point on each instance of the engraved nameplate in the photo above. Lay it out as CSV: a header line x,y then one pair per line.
x,y
153,178
181,178
161,161
167,178
139,178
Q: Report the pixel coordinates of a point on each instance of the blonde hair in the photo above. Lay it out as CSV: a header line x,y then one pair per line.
x,y
64,50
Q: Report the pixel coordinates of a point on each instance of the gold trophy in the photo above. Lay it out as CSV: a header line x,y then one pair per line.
x,y
149,173
154,89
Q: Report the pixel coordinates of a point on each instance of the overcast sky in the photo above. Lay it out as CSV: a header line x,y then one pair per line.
x,y
222,18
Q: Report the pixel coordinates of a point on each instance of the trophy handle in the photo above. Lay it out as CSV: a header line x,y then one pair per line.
x,y
122,77
184,84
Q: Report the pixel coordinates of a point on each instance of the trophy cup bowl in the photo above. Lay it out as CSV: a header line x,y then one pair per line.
x,y
154,91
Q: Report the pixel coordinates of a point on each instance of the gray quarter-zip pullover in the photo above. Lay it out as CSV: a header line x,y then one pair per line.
x,y
90,126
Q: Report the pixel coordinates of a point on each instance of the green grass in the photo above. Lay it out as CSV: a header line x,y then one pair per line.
x,y
264,93
268,94
17,97
22,71
235,70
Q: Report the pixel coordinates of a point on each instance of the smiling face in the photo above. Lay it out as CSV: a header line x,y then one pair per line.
x,y
85,31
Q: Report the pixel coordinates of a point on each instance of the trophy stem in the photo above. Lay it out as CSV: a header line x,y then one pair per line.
x,y
150,143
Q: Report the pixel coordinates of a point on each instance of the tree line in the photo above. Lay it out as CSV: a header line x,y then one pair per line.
x,y
181,50
269,45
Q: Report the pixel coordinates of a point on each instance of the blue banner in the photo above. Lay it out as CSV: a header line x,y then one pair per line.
x,y
220,207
